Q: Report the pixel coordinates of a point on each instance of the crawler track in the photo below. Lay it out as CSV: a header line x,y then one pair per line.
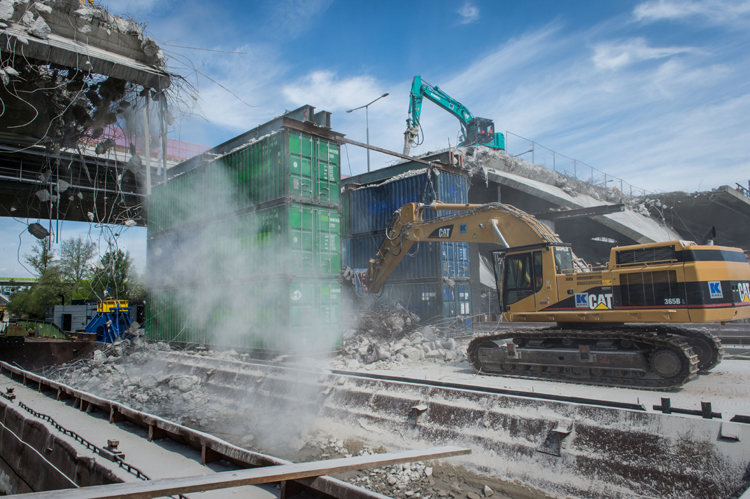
x,y
666,355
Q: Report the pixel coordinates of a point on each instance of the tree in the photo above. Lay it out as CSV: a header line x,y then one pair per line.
x,y
49,290
42,256
113,275
75,259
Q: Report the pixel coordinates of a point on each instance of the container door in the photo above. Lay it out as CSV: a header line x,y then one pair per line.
x,y
327,243
301,312
327,172
300,166
449,302
301,227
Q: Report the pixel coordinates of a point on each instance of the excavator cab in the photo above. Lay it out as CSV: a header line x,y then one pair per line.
x,y
480,131
526,280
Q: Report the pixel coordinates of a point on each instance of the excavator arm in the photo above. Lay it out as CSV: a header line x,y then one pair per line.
x,y
420,90
474,223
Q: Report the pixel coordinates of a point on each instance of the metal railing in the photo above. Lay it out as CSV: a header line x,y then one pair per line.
x,y
538,154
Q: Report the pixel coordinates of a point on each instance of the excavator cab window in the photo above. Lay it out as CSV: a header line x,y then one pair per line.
x,y
563,260
480,131
523,276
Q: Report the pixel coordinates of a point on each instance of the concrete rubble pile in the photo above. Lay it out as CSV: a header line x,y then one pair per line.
x,y
501,160
126,372
389,338
409,480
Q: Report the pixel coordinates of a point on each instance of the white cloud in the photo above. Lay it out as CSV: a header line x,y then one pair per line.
x,y
291,18
615,56
469,13
327,91
710,11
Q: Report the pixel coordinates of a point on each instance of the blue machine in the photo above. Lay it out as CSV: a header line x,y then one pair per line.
x,y
111,322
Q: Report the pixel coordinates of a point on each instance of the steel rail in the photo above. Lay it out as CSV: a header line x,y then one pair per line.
x,y
497,391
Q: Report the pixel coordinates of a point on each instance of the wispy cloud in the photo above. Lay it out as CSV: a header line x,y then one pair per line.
x,y
616,55
328,91
292,18
708,11
469,13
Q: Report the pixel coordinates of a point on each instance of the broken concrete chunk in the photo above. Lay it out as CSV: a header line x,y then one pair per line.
x,y
105,145
40,7
185,383
27,18
85,29
62,186
134,163
43,195
4,76
10,70
487,491
99,358
6,10
21,38
40,29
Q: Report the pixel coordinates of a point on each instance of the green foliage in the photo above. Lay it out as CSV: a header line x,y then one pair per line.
x,y
75,260
42,256
117,274
32,303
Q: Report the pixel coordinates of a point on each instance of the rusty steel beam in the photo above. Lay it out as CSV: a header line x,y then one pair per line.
x,y
269,474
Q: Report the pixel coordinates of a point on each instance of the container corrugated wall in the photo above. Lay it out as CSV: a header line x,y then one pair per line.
x,y
290,315
284,165
371,207
430,300
424,260
295,239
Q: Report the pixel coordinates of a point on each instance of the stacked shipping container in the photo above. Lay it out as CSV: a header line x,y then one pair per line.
x,y
433,280
244,250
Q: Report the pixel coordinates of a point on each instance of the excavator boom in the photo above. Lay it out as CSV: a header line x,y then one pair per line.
x,y
473,223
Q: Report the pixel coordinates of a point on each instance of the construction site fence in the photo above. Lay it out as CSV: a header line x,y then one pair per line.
x,y
533,152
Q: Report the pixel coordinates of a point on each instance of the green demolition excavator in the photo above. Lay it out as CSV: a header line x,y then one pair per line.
x,y
473,130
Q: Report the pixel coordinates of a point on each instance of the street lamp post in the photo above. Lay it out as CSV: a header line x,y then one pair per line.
x,y
367,118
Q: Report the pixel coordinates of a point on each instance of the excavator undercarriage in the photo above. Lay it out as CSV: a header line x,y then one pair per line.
x,y
655,357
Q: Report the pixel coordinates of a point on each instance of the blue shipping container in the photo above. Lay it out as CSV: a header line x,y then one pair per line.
x,y
430,300
424,260
371,207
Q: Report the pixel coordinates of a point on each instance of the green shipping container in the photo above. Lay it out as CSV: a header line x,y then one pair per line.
x,y
277,315
295,239
284,165
177,202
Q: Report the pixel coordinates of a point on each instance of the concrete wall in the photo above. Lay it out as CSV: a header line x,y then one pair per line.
x,y
34,459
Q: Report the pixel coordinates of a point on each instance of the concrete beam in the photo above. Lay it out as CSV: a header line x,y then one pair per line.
x,y
628,223
76,54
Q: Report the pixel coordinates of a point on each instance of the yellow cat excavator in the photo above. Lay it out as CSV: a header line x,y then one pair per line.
x,y
594,341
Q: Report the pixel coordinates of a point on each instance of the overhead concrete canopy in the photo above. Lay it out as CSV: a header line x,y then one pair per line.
x,y
630,224
693,214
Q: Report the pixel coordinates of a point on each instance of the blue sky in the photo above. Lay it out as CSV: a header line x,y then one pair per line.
x,y
654,92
